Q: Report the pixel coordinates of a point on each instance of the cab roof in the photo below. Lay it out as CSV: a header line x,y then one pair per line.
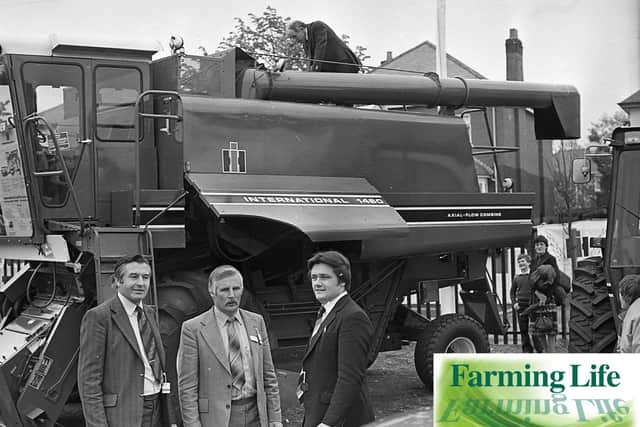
x,y
80,47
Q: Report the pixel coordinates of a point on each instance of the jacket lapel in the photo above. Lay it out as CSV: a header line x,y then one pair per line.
x,y
325,324
211,335
121,320
253,329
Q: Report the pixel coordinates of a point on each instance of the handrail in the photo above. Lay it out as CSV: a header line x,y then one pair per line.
x,y
63,163
139,116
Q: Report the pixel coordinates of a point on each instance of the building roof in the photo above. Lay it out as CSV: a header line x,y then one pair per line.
x,y
423,58
631,101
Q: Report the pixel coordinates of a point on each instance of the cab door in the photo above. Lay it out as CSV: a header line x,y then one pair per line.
x,y
59,90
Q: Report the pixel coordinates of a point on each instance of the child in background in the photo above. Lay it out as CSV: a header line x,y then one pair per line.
x,y
521,298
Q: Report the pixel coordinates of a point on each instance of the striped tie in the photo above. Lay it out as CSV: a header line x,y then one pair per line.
x,y
321,312
148,342
235,355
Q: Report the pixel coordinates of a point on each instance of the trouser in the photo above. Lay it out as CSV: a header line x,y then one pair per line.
x,y
545,343
151,411
523,325
244,413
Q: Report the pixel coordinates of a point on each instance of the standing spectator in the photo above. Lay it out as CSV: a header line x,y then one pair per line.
x,y
121,354
332,383
543,257
543,317
226,376
521,298
630,301
322,44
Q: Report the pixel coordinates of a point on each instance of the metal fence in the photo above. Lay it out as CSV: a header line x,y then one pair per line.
x,y
501,269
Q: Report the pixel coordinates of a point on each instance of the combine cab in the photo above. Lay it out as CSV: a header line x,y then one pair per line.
x,y
197,161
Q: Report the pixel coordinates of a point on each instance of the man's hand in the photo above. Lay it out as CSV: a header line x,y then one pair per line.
x,y
516,306
323,425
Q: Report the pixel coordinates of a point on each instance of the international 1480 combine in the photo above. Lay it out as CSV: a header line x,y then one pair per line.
x,y
197,161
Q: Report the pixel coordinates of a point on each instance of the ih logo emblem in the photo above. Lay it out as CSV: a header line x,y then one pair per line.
x,y
234,160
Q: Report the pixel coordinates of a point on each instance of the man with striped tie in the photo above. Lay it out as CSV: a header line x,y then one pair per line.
x,y
121,354
226,375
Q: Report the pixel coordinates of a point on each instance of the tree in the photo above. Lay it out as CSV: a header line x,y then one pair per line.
x,y
264,37
598,131
569,199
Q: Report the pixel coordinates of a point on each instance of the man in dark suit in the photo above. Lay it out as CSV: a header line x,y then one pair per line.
x,y
226,376
121,354
322,44
332,384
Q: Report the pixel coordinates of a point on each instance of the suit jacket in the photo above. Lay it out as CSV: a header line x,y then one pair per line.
x,y
322,43
335,363
110,366
204,374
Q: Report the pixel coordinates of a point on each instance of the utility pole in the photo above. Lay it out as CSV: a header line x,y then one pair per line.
x,y
441,50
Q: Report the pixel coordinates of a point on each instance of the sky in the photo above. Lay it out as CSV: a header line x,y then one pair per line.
x,y
593,45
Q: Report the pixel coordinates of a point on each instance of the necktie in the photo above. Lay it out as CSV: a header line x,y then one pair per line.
x,y
148,342
321,312
235,355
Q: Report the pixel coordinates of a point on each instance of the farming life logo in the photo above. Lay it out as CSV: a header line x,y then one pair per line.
x,y
536,390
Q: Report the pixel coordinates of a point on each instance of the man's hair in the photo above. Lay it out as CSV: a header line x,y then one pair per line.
x,y
338,262
118,271
630,288
296,25
525,257
220,273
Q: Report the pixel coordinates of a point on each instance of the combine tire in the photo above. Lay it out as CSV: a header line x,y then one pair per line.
x,y
450,333
591,324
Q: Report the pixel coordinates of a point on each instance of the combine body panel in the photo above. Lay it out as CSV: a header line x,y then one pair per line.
x,y
198,161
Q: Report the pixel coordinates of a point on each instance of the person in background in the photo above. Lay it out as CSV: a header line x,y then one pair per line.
x,y
226,376
521,298
629,341
322,44
332,385
543,316
543,257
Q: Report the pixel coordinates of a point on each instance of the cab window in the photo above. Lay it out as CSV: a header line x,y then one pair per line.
x,y
117,89
55,91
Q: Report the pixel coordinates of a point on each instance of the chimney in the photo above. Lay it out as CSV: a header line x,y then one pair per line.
x,y
389,58
513,46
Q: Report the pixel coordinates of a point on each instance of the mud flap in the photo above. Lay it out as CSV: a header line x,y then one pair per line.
x,y
481,303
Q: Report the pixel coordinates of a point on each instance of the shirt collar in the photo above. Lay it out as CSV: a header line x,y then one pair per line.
x,y
328,306
129,307
222,318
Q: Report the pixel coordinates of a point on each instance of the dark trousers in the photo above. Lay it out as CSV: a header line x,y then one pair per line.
x,y
244,413
151,411
523,325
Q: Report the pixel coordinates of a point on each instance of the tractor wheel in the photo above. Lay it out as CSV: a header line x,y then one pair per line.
x,y
450,333
592,327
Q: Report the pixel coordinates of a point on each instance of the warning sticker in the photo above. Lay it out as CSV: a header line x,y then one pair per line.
x,y
40,373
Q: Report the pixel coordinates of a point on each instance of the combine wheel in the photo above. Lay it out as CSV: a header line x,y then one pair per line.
x,y
450,333
591,325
